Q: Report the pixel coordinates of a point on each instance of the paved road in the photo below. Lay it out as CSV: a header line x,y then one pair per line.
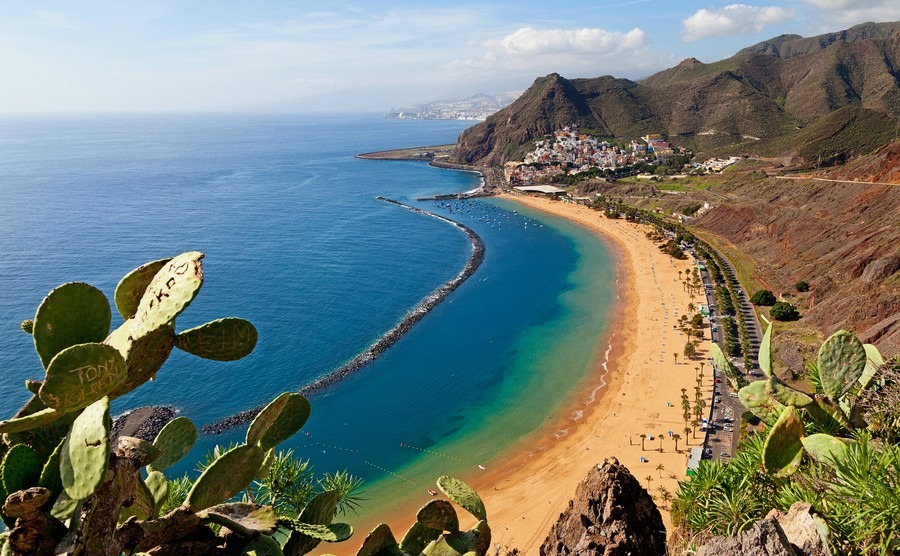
x,y
726,408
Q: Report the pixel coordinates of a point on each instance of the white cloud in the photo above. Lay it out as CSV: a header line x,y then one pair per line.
x,y
845,13
535,42
734,19
588,52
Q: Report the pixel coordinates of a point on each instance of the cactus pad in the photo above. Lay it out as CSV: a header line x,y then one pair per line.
x,y
464,495
80,375
784,394
169,293
85,453
417,538
331,532
439,514
50,478
245,519
21,468
724,365
825,448
440,547
225,477
874,360
175,440
144,356
34,420
263,546
319,511
765,352
74,313
159,488
380,542
783,449
225,339
842,360
132,287
465,542
278,421
757,400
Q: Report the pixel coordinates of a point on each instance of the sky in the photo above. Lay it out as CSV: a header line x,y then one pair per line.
x,y
366,55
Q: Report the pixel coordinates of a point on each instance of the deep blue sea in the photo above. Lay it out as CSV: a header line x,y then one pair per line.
x,y
296,242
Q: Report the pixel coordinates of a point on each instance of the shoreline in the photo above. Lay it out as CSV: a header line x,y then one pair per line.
x,y
635,383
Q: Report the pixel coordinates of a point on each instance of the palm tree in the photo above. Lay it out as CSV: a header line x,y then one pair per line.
x,y
694,424
665,495
660,468
691,307
660,442
676,357
643,438
649,479
676,437
687,432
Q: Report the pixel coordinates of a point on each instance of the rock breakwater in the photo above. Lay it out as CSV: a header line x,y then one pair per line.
x,y
390,337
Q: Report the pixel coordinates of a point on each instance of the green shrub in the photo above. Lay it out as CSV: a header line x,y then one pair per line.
x,y
784,311
801,286
763,297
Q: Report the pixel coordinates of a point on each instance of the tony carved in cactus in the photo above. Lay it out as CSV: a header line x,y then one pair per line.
x,y
817,423
69,489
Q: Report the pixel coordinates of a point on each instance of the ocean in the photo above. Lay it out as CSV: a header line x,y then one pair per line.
x,y
296,242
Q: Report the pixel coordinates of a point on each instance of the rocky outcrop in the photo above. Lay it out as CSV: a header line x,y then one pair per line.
x,y
765,538
797,533
611,515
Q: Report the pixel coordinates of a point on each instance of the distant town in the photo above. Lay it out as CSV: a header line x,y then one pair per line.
x,y
570,153
477,107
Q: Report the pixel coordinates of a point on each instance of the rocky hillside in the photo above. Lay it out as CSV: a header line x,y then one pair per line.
x,y
837,94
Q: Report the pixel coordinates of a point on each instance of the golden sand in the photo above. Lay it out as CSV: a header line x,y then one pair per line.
x,y
525,493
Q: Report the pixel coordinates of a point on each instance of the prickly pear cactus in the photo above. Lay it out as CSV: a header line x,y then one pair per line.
x,y
80,375
175,440
225,339
783,449
278,421
825,448
380,542
74,313
464,495
319,511
438,514
417,538
85,455
765,352
842,360
169,293
132,286
226,477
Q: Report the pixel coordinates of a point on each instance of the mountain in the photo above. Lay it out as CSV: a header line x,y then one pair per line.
x,y
822,99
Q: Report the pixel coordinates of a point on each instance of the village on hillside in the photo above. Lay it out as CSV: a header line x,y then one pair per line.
x,y
570,152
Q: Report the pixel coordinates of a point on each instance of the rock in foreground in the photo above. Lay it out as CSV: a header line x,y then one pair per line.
x,y
611,515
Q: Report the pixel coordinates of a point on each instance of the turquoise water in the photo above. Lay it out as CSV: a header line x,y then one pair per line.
x,y
296,242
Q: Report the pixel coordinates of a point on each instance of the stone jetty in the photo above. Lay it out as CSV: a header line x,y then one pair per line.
x,y
391,336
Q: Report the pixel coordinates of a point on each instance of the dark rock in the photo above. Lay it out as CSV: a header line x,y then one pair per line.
x,y
143,422
765,538
611,515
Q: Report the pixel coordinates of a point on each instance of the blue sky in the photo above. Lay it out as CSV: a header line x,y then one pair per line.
x,y
368,55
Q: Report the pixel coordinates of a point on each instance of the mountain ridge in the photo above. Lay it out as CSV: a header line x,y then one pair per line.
x,y
754,101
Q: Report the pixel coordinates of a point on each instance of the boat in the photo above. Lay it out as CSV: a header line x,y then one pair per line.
x,y
483,468
432,492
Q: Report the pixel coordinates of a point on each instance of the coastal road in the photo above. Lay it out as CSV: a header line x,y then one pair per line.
x,y
726,409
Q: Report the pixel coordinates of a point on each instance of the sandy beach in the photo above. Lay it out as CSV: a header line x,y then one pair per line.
x,y
525,493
